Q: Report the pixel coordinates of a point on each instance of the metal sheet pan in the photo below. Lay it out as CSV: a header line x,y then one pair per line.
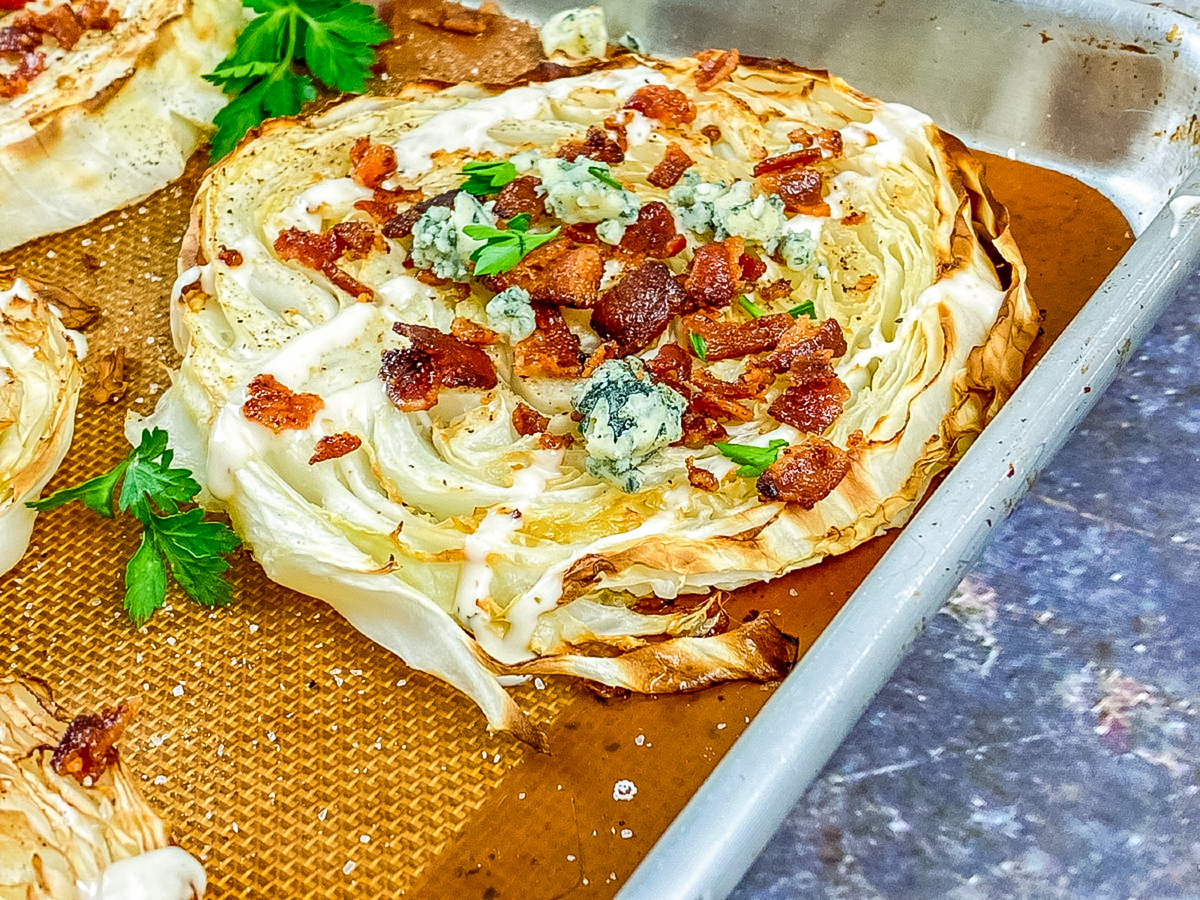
x,y
1107,92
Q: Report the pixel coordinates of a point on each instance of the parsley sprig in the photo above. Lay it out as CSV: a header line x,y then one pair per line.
x,y
699,345
487,176
504,249
753,460
602,175
332,38
807,308
152,491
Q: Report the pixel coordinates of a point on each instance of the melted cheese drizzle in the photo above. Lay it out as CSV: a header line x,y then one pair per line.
x,y
466,128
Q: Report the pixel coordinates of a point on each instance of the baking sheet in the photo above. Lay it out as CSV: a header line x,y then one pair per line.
x,y
292,753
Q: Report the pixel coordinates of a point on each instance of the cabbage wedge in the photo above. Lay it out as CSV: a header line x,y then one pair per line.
x,y
476,545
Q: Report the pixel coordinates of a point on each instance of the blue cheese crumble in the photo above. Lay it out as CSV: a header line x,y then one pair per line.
x,y
729,210
796,249
439,243
574,194
511,313
578,33
627,418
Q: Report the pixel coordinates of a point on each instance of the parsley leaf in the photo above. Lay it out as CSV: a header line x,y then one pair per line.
x,y
332,38
487,176
152,490
804,309
504,249
604,177
755,311
699,347
753,460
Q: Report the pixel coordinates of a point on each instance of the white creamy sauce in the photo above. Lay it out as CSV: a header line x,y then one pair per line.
x,y
811,224
19,291
1181,206
166,874
638,128
466,128
890,126
331,198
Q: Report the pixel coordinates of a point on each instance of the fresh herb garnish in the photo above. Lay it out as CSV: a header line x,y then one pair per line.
x,y
487,176
753,460
604,177
151,490
699,346
756,311
804,309
332,38
504,249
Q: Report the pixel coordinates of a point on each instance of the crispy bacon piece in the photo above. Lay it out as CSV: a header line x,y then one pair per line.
x,y
580,232
21,35
549,441
62,24
472,332
552,349
401,225
231,258
29,66
560,272
596,145
709,398
812,402
800,190
274,405
753,268
671,366
334,446
9,5
413,376
671,167
827,140
88,746
715,276
854,218
701,479
731,340
807,344
526,420
805,473
379,210
776,290
322,252
793,159
640,307
520,196
715,67
719,399
653,233
666,104
373,163
97,15
712,132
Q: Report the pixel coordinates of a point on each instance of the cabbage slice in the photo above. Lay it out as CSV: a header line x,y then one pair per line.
x,y
468,548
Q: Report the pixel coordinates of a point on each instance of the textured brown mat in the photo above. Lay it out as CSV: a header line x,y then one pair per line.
x,y
293,754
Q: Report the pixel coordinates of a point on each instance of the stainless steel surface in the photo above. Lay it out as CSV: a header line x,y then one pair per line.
x,y
1105,91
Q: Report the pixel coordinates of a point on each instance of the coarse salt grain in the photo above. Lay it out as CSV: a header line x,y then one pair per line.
x,y
160,779
322,814
364,839
177,690
640,739
626,833
348,867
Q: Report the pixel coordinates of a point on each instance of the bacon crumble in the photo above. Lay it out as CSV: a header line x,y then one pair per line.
x,y
715,275
26,31
561,272
527,421
334,446
373,163
321,252
596,145
520,197
552,350
231,258
639,307
88,746
653,233
668,105
805,473
732,340
275,406
671,167
414,375
715,67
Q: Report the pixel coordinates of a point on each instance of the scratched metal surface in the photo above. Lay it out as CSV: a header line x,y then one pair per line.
x,y
1104,91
